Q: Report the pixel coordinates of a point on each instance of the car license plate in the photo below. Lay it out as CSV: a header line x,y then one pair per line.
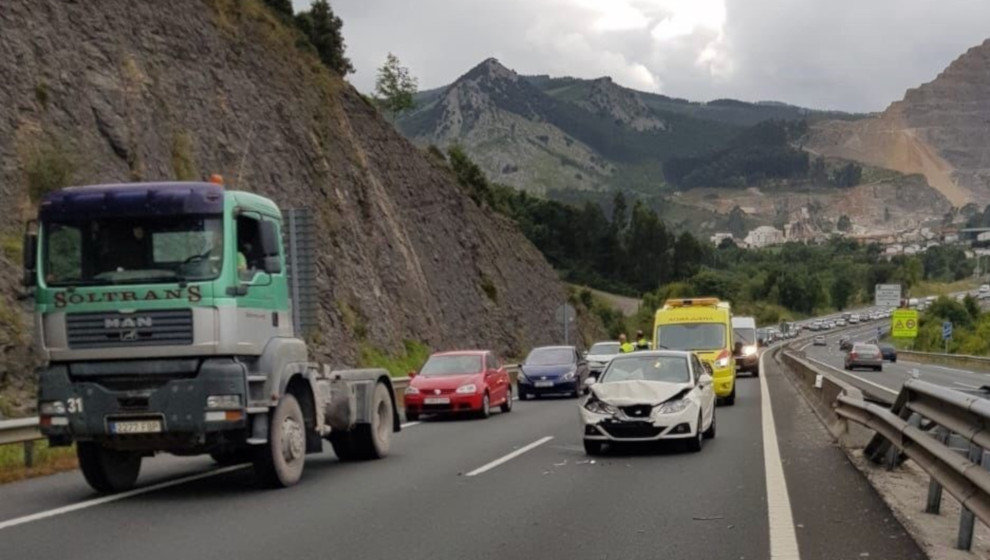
x,y
544,383
136,427
436,400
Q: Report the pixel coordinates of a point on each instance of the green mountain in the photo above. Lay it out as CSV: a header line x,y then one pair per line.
x,y
552,135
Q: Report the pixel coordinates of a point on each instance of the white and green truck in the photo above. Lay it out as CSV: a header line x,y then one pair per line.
x,y
167,319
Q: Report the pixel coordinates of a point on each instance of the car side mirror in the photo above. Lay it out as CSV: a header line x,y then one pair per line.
x,y
412,373
30,255
588,382
273,265
705,380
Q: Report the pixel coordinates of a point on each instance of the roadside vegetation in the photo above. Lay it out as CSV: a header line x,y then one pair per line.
x,y
412,358
970,328
45,461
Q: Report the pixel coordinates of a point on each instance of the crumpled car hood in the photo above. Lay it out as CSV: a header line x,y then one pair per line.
x,y
623,393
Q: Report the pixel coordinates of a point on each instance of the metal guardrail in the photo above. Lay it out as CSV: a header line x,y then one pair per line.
x,y
976,363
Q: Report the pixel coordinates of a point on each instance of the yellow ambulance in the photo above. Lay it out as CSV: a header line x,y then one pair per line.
x,y
703,326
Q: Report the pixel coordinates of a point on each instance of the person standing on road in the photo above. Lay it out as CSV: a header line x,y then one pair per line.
x,y
624,345
641,342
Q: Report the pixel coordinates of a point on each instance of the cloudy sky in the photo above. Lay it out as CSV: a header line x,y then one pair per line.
x,y
855,55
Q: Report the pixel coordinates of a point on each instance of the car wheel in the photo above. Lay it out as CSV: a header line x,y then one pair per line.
x,y
507,405
710,432
486,408
412,416
695,444
893,360
592,447
756,371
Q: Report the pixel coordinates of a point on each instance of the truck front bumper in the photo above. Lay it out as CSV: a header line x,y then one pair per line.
x,y
89,401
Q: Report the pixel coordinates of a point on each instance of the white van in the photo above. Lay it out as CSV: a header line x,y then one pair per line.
x,y
745,345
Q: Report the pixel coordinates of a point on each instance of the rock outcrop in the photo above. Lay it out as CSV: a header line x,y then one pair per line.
x,y
939,129
117,91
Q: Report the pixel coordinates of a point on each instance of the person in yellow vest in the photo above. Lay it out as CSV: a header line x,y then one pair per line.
x,y
624,345
641,342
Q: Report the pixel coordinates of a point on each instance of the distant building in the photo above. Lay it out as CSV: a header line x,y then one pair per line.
x,y
764,236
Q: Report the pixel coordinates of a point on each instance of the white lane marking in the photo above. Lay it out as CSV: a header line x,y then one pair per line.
x,y
967,385
128,494
509,457
116,497
783,538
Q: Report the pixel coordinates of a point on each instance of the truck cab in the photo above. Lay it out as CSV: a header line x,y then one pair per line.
x,y
703,326
164,318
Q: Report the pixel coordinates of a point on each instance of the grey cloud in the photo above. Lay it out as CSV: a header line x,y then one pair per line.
x,y
856,55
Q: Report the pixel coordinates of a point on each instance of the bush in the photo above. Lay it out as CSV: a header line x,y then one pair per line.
x,y
414,355
49,167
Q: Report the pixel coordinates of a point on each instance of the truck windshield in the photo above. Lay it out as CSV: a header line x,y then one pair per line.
x,y
138,250
691,336
744,335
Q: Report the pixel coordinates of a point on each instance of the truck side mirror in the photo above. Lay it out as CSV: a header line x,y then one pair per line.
x,y
270,247
30,253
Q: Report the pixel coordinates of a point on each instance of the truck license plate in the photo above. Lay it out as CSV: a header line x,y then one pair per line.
x,y
544,383
136,427
436,400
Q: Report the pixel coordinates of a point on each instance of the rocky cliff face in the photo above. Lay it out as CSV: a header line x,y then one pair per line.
x,y
116,91
938,129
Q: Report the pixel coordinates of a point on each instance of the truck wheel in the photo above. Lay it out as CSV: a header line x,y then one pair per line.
x,y
343,446
279,463
108,470
372,441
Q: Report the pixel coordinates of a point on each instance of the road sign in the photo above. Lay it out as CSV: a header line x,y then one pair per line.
x,y
904,323
887,295
946,330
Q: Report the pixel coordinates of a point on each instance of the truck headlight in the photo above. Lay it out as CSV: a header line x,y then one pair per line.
x,y
410,390
467,389
599,407
672,407
51,408
749,350
223,401
722,362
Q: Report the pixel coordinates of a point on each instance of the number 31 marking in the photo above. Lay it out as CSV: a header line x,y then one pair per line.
x,y
75,405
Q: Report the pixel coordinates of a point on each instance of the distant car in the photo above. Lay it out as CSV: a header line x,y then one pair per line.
x,y
599,355
845,344
552,370
819,340
471,381
840,322
746,350
889,352
650,396
864,356
854,319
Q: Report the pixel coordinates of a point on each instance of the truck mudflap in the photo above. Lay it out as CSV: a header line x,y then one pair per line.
x,y
358,409
97,396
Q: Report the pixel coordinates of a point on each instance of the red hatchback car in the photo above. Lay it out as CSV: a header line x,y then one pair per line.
x,y
464,381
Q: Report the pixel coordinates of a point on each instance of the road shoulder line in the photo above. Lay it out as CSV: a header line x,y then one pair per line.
x,y
508,457
783,537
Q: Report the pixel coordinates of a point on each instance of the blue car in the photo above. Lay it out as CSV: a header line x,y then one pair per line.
x,y
552,370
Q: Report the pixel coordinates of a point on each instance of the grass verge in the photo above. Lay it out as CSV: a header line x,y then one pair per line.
x,y
47,460
412,358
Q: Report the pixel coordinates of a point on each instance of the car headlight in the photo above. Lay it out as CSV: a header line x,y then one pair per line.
x,y
51,408
672,407
467,389
569,375
410,390
599,407
223,401
749,350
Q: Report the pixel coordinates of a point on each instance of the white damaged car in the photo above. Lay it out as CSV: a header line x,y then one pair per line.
x,y
649,396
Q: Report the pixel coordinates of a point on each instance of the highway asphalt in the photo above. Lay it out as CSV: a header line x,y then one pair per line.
x,y
533,493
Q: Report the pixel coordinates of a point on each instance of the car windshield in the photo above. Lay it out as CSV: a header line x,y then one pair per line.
x,y
550,357
604,348
438,366
691,336
671,369
746,336
132,250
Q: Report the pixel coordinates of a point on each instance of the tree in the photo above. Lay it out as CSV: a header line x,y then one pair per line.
x,y
844,224
281,7
395,86
323,29
841,291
